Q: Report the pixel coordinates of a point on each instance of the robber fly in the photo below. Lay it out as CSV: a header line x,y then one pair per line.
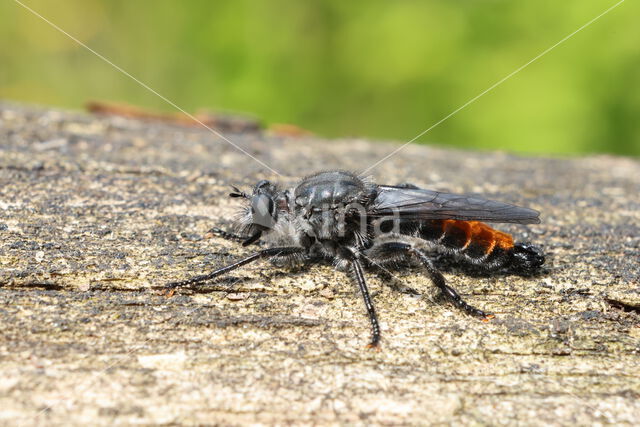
x,y
355,223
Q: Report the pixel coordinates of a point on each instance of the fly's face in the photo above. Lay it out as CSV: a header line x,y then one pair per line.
x,y
263,207
261,214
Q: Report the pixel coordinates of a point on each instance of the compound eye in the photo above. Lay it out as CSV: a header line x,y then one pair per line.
x,y
261,184
263,210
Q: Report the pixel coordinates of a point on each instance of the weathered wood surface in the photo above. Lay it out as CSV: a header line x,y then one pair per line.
x,y
97,213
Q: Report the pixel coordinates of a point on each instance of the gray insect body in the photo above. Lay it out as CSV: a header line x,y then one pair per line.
x,y
353,222
325,206
316,215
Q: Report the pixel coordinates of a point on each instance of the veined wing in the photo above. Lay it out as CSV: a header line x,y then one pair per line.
x,y
419,204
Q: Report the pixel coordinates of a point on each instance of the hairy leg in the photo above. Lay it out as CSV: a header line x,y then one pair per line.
x,y
399,249
169,289
371,311
218,232
451,294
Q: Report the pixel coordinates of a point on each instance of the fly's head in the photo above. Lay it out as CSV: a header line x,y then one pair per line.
x,y
261,214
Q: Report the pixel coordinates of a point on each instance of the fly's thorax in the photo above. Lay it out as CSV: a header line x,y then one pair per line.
x,y
332,205
329,188
333,221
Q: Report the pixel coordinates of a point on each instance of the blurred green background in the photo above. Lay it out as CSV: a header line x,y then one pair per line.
x,y
377,69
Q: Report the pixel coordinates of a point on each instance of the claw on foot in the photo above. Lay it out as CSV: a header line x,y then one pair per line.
x,y
168,292
488,317
374,346
215,232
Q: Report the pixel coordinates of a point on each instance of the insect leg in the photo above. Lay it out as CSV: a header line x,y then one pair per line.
x,y
287,250
371,311
391,251
218,232
451,294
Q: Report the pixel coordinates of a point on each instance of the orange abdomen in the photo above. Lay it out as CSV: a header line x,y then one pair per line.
x,y
475,238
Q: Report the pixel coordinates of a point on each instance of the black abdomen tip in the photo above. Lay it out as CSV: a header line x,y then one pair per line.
x,y
525,256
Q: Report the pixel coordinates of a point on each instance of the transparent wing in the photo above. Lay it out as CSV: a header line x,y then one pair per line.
x,y
417,204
